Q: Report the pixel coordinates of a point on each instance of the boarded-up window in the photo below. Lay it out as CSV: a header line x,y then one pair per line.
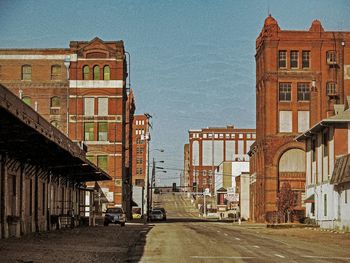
x,y
102,106
195,153
89,107
218,152
88,131
102,162
26,72
230,150
249,143
207,149
86,72
106,73
102,131
303,121
241,147
292,161
285,121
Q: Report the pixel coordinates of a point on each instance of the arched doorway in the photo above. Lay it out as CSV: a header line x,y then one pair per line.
x,y
291,181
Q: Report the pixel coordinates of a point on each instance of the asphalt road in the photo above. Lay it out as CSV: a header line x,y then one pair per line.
x,y
186,238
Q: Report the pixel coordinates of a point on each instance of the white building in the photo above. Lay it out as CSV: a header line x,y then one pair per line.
x,y
328,170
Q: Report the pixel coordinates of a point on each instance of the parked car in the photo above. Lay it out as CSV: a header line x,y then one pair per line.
x,y
161,209
156,215
115,215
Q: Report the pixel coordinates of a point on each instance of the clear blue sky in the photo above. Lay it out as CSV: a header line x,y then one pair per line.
x,y
192,62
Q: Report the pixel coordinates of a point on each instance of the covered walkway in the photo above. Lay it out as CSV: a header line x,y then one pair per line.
x,y
42,172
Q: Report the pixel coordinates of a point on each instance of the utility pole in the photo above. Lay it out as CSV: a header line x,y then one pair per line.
x,y
152,182
212,166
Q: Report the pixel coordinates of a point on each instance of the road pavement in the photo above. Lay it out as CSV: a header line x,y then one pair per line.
x,y
184,237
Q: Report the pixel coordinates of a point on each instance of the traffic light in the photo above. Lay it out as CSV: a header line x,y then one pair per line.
x,y
174,187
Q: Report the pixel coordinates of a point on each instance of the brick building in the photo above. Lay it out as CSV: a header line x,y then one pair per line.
x,y
211,146
81,90
299,78
140,148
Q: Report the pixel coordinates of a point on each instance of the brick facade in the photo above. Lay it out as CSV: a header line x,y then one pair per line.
x,y
87,83
140,148
299,78
209,147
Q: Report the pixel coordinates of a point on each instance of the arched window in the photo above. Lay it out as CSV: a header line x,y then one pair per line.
x,y
86,72
55,72
106,73
96,72
55,123
26,72
27,100
55,102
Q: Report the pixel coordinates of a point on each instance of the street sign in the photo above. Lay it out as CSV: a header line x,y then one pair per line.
x,y
230,190
232,197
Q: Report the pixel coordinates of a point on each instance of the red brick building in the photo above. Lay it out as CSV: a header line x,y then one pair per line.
x,y
82,90
140,148
209,147
299,77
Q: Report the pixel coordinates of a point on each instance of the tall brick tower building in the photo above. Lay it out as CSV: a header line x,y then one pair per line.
x,y
299,77
140,148
82,90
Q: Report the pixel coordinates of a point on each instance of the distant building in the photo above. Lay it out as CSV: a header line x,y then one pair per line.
x,y
209,147
82,91
227,171
140,148
327,170
300,75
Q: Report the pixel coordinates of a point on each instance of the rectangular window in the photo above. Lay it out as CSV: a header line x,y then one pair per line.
x,y
285,92
331,88
303,92
313,147
102,162
26,72
294,59
325,205
331,57
303,121
102,131
285,121
88,131
325,144
102,106
89,106
282,59
306,59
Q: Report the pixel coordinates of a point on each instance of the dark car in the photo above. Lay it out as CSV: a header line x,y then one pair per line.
x,y
115,215
161,209
156,215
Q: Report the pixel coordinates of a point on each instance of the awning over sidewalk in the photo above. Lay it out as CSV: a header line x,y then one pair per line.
x,y
27,136
310,199
341,172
